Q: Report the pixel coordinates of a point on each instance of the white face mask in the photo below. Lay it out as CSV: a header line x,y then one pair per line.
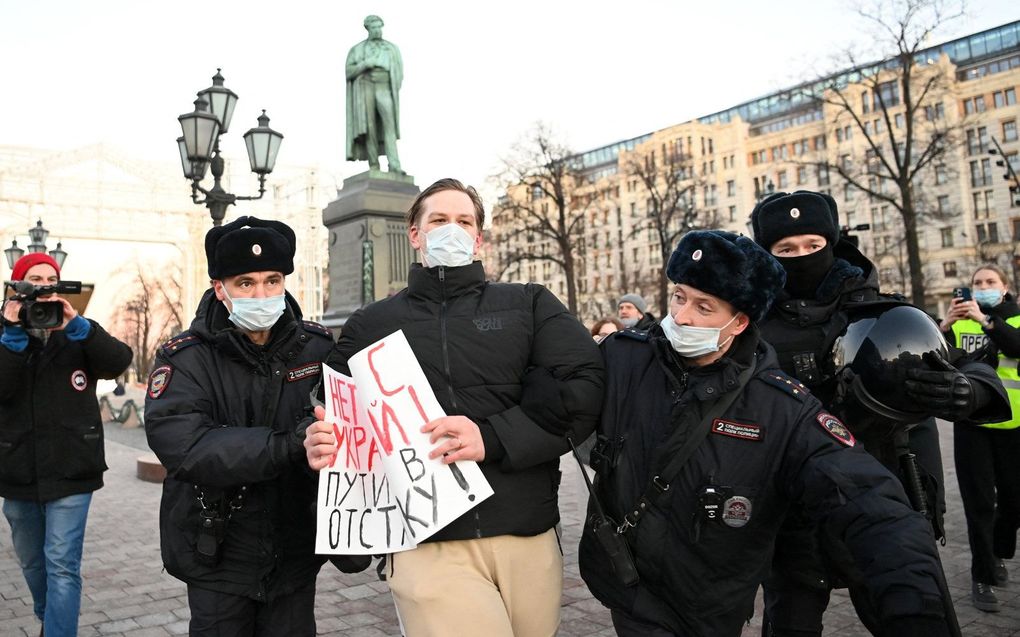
x,y
255,314
448,245
692,342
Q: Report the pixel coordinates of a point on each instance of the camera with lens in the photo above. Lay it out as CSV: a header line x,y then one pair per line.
x,y
37,314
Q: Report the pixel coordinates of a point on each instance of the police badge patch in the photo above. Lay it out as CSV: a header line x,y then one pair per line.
x,y
79,380
736,512
835,428
158,380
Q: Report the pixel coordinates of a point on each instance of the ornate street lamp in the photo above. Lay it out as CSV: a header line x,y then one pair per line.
x,y
13,253
199,147
37,235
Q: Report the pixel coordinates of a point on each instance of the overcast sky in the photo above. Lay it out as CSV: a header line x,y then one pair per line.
x,y
477,74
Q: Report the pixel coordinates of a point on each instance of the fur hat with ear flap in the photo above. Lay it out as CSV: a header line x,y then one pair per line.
x,y
729,266
784,215
249,244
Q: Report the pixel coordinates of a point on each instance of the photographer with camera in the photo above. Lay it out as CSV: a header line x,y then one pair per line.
x,y
51,434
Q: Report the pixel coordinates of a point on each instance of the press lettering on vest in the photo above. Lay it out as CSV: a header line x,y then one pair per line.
x,y
972,342
737,430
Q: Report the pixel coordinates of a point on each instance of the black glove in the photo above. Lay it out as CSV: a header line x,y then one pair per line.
x,y
350,563
944,390
542,402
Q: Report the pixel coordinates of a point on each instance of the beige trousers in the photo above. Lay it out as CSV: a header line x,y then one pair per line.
x,y
504,586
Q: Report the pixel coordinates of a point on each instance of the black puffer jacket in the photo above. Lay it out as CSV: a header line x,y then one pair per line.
x,y
225,417
474,341
51,434
773,447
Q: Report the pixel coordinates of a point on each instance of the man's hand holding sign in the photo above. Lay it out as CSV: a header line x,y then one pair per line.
x,y
394,469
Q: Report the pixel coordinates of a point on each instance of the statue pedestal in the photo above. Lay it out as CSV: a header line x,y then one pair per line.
x,y
369,254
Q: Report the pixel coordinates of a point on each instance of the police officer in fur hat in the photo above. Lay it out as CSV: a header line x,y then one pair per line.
x,y
704,444
225,413
827,278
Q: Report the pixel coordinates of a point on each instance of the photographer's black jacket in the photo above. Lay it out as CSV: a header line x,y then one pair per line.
x,y
51,433
774,447
227,416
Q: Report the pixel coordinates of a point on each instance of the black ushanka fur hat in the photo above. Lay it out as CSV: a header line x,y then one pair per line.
x,y
729,266
784,215
249,244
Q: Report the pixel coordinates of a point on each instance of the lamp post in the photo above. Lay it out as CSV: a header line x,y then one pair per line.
x,y
37,236
199,147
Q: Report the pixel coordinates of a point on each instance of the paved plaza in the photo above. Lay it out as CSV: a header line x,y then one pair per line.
x,y
126,593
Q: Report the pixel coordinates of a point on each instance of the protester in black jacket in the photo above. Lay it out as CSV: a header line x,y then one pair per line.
x,y
826,279
514,371
225,412
51,441
702,539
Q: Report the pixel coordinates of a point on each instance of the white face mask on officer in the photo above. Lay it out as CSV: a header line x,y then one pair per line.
x,y
255,314
448,245
692,342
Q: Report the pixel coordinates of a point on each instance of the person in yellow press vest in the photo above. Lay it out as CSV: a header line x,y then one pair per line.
x,y
988,328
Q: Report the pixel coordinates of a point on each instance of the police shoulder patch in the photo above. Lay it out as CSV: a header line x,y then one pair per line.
x,y
159,380
637,335
788,384
179,342
316,328
835,428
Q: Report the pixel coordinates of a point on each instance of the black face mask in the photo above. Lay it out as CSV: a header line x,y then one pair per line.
x,y
805,273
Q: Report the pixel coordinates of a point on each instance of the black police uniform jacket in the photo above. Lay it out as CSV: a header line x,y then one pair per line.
x,y
51,433
474,340
226,418
772,448
802,332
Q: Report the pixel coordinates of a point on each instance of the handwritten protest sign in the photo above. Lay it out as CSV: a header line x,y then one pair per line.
x,y
381,493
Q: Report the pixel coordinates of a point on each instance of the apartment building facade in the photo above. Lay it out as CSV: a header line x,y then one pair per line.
x,y
822,136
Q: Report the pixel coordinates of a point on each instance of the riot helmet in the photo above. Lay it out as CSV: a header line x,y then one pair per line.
x,y
872,355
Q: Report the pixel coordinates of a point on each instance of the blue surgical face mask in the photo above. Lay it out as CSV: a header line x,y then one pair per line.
x,y
448,245
255,314
692,342
988,298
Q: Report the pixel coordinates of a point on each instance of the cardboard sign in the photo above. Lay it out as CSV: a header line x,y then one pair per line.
x,y
381,493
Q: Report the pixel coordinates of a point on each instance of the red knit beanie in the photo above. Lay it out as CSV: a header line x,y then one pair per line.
x,y
31,259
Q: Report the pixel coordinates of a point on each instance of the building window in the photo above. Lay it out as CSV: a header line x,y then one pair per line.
x,y
977,140
980,173
731,188
733,213
973,105
949,268
932,113
888,94
947,237
536,192
941,175
823,175
943,204
982,204
1004,98
801,175
819,142
899,120
1009,131
846,163
781,181
848,192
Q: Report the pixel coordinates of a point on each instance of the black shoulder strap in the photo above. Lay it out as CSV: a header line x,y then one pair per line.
x,y
660,483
